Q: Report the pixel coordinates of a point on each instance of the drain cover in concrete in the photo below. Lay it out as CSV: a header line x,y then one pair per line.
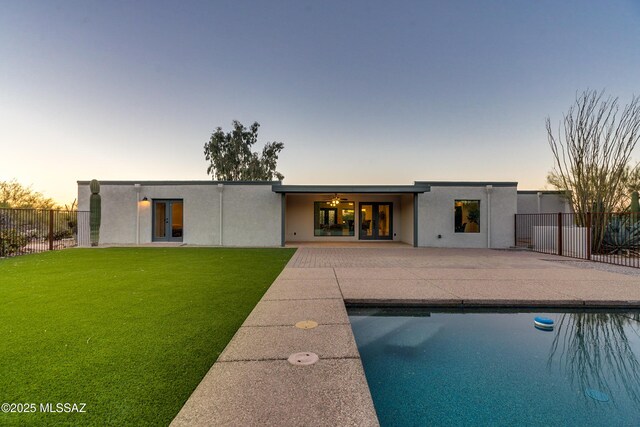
x,y
306,324
303,358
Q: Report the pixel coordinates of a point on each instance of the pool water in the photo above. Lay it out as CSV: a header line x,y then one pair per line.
x,y
495,368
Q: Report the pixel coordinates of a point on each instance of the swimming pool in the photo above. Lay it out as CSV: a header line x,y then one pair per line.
x,y
439,367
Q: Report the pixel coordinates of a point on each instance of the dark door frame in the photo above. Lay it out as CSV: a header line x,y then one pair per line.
x,y
167,220
375,220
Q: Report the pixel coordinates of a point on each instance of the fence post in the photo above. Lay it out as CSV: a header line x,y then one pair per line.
x,y
50,229
589,235
560,233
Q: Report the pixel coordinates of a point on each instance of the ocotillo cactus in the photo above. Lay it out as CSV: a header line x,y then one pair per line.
x,y
95,207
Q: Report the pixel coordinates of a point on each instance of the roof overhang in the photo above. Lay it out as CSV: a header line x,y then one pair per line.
x,y
468,183
200,182
351,189
561,192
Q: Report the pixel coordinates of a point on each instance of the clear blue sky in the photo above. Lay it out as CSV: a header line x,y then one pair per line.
x,y
359,92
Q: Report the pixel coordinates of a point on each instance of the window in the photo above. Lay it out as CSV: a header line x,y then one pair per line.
x,y
333,219
467,216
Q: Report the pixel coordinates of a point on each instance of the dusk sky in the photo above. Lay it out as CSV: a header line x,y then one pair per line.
x,y
371,92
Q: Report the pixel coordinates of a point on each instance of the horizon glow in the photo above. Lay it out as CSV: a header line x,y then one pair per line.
x,y
360,93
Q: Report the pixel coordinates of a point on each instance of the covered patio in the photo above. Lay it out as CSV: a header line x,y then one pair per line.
x,y
349,214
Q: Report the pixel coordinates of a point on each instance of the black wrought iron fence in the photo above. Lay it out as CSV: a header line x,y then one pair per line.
x,y
609,237
24,231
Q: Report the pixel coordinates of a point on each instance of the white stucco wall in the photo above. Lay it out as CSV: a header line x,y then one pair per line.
x,y
299,216
541,202
406,218
118,216
250,216
436,217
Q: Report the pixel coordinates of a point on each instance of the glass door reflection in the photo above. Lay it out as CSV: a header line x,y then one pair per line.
x,y
366,221
376,221
384,223
160,217
176,219
168,221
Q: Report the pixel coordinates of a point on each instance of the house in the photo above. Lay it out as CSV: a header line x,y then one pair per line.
x,y
426,213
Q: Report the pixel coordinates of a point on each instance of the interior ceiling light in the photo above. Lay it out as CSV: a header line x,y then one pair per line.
x,y
335,200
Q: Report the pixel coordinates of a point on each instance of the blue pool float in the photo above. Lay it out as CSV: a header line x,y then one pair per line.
x,y
543,323
597,395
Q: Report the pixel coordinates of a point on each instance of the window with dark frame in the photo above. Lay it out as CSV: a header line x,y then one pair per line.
x,y
328,216
334,219
467,216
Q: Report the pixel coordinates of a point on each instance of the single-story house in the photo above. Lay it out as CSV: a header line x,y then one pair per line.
x,y
426,213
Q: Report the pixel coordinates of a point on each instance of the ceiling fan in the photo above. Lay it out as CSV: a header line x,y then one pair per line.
x,y
336,200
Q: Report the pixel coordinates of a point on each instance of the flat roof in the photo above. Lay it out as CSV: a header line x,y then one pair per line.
x,y
202,182
380,189
541,192
468,183
278,187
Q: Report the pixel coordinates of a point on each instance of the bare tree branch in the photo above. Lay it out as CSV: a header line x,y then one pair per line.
x,y
592,151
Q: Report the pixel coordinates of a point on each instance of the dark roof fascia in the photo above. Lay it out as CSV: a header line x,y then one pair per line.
x,y
151,183
370,189
467,183
542,192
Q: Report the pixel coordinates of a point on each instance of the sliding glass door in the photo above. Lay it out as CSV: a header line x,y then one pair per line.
x,y
167,221
376,221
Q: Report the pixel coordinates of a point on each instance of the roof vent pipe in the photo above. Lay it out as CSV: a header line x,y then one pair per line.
x,y
489,189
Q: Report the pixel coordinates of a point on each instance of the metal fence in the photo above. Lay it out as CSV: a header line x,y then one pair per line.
x,y
609,237
24,231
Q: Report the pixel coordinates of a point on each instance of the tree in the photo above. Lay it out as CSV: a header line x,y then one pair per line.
x,y
15,195
231,159
596,350
632,180
592,151
629,182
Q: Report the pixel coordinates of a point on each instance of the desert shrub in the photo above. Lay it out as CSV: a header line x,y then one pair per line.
x,y
11,242
622,234
65,225
62,233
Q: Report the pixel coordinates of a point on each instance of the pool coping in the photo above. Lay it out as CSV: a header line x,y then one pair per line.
x,y
507,303
252,382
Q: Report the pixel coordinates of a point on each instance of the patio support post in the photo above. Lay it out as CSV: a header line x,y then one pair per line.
x,y
415,220
283,222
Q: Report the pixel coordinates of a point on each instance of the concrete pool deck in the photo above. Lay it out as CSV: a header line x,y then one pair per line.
x,y
253,383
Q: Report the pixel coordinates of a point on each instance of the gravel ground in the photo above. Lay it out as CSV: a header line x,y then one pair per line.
x,y
629,271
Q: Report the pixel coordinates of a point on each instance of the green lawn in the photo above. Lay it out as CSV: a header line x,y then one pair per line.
x,y
130,332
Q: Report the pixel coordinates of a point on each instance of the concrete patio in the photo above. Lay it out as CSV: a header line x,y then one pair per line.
x,y
253,383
